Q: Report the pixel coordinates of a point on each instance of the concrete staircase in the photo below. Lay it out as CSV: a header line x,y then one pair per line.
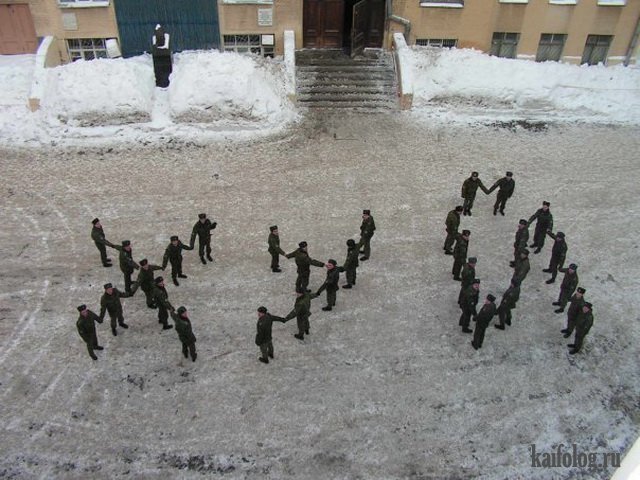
x,y
331,79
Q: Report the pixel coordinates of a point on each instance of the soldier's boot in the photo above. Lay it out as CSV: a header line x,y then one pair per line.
x,y
533,245
185,351
564,330
271,355
327,308
114,331
209,257
567,334
167,327
98,347
124,325
571,345
175,282
559,310
475,347
363,258
457,278
348,285
307,332
182,275
276,270
500,327
107,265
550,281
512,264
537,250
194,356
573,351
204,262
299,336
93,355
555,303
546,270
263,360
495,211
502,212
467,330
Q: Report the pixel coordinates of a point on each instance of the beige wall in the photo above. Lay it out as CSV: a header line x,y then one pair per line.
x,y
243,19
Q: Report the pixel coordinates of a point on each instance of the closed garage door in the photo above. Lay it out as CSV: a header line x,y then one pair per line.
x,y
17,34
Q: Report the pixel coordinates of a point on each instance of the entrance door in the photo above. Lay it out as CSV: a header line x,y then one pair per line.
x,y
359,27
323,23
17,34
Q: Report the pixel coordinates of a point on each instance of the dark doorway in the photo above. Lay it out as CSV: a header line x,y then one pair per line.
x,y
330,23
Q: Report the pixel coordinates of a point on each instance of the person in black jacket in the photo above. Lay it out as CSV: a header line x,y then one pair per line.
x,y
98,237
544,222
486,313
173,254
87,329
263,335
330,284
202,229
558,255
506,186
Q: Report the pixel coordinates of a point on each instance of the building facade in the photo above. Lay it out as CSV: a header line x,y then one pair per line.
x,y
573,31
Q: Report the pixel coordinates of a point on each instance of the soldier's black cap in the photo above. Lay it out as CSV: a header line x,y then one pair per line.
x,y
473,260
332,262
581,290
509,174
573,266
300,290
546,203
560,235
202,215
466,232
95,220
302,244
523,222
366,212
475,280
491,298
159,280
525,251
82,308
126,243
174,237
474,174
273,227
181,310
588,305
143,262
108,285
262,309
351,242
459,208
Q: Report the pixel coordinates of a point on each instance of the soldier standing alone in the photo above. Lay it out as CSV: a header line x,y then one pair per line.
x,y
185,333
202,229
110,302
173,254
263,334
460,253
506,187
274,248
469,188
303,262
452,223
544,222
367,228
483,319
98,237
87,329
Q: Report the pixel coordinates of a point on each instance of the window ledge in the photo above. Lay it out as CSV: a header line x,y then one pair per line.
x,y
84,4
442,4
612,3
248,2
514,1
563,2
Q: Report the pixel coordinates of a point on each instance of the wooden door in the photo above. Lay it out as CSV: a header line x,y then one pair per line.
x,y
323,23
17,33
359,27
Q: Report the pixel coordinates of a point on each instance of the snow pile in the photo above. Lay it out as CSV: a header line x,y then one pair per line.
x,y
16,72
213,87
101,92
467,78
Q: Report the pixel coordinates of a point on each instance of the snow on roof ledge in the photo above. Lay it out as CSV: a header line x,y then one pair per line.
x,y
442,3
612,3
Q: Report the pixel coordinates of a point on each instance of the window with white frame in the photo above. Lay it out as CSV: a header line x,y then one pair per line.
x,y
87,48
442,3
83,3
550,47
437,42
596,49
504,44
253,43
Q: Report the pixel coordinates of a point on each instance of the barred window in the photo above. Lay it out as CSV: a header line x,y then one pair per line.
x,y
86,48
437,42
596,49
550,47
504,44
252,43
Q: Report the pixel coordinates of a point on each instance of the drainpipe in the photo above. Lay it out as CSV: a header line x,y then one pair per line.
x,y
633,44
395,18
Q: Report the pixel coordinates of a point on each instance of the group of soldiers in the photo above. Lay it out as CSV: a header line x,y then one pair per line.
x,y
579,313
302,307
153,287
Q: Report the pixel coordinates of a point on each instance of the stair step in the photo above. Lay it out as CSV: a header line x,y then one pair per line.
x,y
346,61
345,97
346,76
369,106
337,87
344,68
343,89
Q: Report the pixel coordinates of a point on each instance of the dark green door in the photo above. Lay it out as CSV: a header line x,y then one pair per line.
x,y
192,24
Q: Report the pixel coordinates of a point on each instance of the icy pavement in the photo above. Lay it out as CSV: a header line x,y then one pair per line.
x,y
386,386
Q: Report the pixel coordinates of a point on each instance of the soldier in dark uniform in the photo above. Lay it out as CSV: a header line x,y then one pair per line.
x,y
469,189
110,302
558,255
303,262
508,303
506,186
468,275
544,223
274,248
584,322
367,228
575,307
185,333
330,284
263,335
520,243
161,299
87,329
202,229
460,253
567,287
468,304
452,223
522,266
173,254
98,237
351,264
145,281
483,319
302,311
127,264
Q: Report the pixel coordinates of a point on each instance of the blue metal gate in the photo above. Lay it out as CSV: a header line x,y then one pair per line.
x,y
192,24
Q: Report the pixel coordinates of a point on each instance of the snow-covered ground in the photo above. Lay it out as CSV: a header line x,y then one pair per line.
x,y
386,386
